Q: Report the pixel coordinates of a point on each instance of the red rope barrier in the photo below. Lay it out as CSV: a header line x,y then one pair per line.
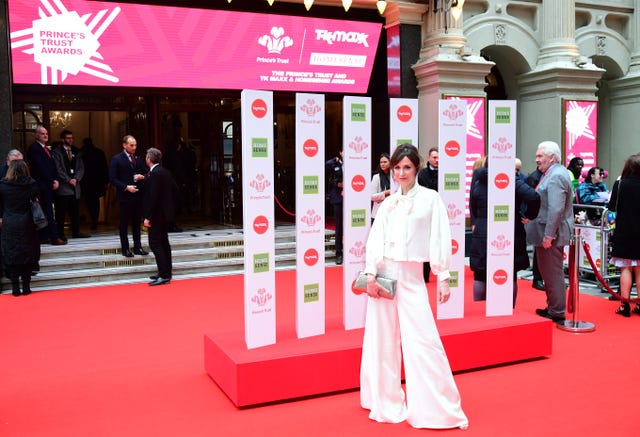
x,y
618,296
282,207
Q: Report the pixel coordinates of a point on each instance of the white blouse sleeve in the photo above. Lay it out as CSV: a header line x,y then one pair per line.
x,y
440,242
377,193
375,242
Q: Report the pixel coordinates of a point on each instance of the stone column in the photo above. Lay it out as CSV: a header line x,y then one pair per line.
x,y
561,73
634,67
558,32
6,108
446,67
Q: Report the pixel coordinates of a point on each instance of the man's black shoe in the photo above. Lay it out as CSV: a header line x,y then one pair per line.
x,y
127,253
544,312
140,251
160,281
339,259
538,284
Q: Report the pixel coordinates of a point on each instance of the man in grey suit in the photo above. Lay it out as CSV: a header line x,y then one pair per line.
x,y
553,228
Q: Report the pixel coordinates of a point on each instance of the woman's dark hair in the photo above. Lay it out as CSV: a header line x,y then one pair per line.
x,y
383,155
631,166
592,171
17,169
409,151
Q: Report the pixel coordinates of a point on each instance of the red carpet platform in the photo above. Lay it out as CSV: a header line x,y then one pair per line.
x,y
295,368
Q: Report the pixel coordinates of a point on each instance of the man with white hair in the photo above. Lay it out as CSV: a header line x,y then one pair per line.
x,y
553,228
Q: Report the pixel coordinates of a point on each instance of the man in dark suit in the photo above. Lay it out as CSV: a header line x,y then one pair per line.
x,y
126,174
43,170
70,169
159,210
553,228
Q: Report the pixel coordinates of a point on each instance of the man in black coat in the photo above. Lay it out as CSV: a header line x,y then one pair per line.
x,y
126,174
96,178
43,170
159,210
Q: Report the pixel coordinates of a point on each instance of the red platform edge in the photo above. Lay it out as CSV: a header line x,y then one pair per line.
x,y
328,363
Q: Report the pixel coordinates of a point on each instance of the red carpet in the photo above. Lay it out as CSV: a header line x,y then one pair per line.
x,y
128,361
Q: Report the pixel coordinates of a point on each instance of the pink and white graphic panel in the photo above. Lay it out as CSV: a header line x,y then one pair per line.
x,y
310,215
258,218
80,42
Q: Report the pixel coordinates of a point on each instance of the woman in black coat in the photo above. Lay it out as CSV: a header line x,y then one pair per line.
x,y
625,201
527,204
20,242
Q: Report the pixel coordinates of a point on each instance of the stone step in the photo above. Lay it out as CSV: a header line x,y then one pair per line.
x,y
195,253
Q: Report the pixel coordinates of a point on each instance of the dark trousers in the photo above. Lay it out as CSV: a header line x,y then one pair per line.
x,y
159,244
130,213
93,207
552,270
64,205
534,268
337,214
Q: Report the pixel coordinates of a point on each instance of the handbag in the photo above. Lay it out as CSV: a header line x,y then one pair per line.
x,y
359,285
39,219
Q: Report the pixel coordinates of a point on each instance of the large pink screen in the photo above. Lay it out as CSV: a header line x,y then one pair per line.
x,y
77,42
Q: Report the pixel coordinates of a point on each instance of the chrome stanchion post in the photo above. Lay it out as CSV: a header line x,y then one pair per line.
x,y
574,325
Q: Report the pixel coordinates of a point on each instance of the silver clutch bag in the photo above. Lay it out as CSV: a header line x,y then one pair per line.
x,y
359,285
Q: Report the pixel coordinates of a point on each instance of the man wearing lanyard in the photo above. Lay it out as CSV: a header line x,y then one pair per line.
x,y
70,168
553,228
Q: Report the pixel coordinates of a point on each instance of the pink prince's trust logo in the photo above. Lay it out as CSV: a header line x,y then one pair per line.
x,y
261,297
275,42
311,218
455,246
453,112
453,211
310,108
404,113
501,242
502,145
358,145
260,183
65,43
358,250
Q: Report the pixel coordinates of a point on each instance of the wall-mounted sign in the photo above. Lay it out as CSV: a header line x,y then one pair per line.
x,y
79,42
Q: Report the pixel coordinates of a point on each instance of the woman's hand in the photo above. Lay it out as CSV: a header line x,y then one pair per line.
x,y
372,286
443,291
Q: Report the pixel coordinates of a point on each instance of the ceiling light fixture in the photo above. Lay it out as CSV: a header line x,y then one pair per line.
x,y
307,4
382,5
346,4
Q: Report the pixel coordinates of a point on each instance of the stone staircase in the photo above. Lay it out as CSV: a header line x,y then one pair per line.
x,y
196,252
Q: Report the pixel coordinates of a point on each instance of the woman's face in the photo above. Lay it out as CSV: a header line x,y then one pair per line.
x,y
596,177
384,164
404,173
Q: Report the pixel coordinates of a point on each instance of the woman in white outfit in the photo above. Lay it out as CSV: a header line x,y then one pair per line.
x,y
380,184
411,227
